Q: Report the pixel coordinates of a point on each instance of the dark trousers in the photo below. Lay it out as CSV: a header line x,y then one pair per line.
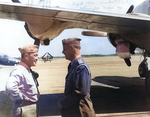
x,y
72,111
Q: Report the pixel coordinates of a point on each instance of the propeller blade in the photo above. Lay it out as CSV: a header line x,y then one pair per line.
x,y
130,9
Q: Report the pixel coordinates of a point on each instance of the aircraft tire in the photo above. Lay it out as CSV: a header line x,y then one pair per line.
x,y
143,68
147,83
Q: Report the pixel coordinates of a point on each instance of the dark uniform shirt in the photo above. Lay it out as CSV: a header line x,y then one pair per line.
x,y
78,78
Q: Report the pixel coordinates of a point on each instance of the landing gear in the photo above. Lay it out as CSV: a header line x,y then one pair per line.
x,y
143,68
144,72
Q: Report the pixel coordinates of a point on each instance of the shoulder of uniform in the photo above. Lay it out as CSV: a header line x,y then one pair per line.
x,y
80,61
83,65
16,70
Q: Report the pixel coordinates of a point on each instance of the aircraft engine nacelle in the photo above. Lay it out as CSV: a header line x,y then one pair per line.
x,y
112,38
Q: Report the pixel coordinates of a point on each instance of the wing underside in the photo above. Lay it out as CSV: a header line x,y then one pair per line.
x,y
50,22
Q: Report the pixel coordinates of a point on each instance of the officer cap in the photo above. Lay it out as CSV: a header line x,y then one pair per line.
x,y
28,48
74,41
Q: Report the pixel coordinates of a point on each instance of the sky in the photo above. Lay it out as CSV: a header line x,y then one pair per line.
x,y
13,34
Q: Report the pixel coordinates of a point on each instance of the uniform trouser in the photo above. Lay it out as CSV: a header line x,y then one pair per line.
x,y
72,111
31,110
83,109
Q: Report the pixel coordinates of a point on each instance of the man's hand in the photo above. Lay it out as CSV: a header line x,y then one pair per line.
x,y
78,92
16,111
18,103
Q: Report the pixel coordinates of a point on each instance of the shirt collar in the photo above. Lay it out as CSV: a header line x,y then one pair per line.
x,y
74,61
72,64
25,65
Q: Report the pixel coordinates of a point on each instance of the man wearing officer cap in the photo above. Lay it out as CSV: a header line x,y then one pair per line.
x,y
22,86
77,102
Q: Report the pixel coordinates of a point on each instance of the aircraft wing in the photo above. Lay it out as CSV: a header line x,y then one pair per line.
x,y
47,23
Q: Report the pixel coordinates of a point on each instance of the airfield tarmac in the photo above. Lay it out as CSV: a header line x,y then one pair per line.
x,y
117,90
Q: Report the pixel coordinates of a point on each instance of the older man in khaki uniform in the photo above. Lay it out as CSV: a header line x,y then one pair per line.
x,y
21,85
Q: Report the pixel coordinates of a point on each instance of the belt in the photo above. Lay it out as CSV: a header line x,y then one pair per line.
x,y
27,102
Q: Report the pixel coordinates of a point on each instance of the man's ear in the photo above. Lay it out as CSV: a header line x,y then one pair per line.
x,y
25,55
72,47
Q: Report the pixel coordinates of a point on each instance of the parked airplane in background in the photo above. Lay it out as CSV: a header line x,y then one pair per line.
x,y
125,32
7,60
47,57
